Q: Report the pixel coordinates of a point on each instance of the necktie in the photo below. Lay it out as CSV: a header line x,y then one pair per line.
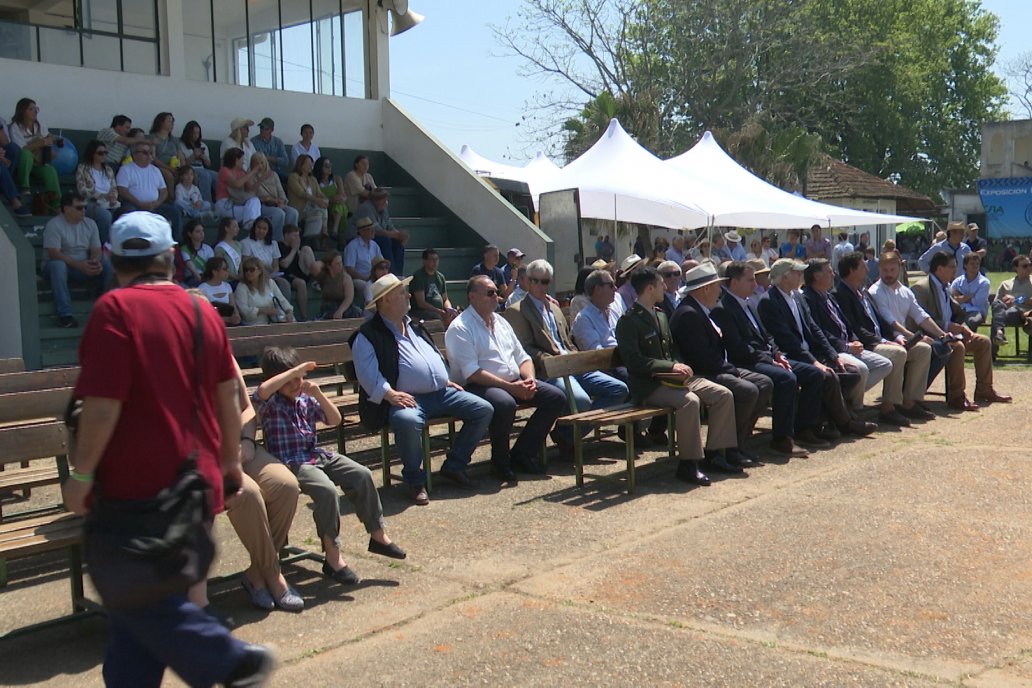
x,y
870,312
833,311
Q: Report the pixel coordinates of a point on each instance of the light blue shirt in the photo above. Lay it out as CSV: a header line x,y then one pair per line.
x,y
738,252
546,313
977,288
273,148
360,256
593,329
959,252
421,369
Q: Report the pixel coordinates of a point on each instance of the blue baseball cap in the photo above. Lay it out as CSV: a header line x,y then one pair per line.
x,y
149,227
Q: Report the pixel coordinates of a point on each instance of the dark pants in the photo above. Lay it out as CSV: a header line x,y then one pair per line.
x,y
784,395
169,211
394,251
812,383
172,633
833,398
550,402
752,392
940,354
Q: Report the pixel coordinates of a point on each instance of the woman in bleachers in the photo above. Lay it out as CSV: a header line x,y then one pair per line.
x,y
216,287
238,138
306,146
227,246
193,254
262,246
358,183
338,290
305,197
194,153
299,265
95,180
165,147
235,190
35,140
332,187
273,198
258,298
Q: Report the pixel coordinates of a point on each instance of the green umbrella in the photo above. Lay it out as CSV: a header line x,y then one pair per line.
x,y
911,228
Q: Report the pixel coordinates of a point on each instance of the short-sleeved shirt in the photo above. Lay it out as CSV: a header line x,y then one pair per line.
x,y
222,181
472,347
1014,287
144,183
787,252
290,427
434,287
360,257
264,252
115,151
138,349
818,249
216,294
73,241
495,273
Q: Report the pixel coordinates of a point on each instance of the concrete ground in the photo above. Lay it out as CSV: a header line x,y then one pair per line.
x,y
899,560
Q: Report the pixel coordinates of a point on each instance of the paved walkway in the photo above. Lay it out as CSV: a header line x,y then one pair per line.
x,y
902,560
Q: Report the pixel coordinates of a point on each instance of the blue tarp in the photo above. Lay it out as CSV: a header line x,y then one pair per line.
x,y
1008,206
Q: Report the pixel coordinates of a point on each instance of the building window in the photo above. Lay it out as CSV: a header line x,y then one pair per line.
x,y
310,46
119,35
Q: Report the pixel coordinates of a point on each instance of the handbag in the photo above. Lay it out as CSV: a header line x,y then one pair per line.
x,y
140,551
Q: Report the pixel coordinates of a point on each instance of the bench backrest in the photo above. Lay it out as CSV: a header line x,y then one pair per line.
x,y
577,362
40,404
254,346
38,379
277,329
12,365
27,442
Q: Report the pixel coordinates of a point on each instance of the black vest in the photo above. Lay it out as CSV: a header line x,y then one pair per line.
x,y
374,416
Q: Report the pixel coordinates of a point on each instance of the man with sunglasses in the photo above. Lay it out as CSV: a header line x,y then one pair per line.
x,y
542,330
1013,299
671,273
71,243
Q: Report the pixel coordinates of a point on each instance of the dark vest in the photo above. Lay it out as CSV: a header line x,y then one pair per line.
x,y
374,416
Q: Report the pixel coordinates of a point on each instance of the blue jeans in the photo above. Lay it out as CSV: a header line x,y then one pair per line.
x,y
171,633
170,211
7,187
103,218
394,251
606,389
408,423
59,274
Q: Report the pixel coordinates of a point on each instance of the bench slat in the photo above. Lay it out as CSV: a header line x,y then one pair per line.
x,y
38,379
577,362
28,477
33,442
35,405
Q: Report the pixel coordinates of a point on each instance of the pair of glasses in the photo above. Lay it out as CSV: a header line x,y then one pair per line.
x,y
540,280
491,292
670,274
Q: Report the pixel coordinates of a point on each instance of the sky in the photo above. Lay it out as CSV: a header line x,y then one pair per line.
x,y
451,73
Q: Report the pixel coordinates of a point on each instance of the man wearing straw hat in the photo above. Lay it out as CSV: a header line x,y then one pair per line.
x,y
404,382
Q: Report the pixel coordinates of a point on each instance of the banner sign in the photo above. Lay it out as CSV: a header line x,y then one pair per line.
x,y
1008,206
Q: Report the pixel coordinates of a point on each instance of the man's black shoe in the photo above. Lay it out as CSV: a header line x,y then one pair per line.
x,y
717,462
689,472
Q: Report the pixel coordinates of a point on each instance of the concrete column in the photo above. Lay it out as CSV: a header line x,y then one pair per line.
x,y
377,54
170,23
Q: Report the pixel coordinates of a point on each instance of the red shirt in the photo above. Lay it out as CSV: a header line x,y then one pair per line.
x,y
222,181
138,348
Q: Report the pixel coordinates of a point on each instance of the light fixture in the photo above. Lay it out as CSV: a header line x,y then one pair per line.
x,y
403,18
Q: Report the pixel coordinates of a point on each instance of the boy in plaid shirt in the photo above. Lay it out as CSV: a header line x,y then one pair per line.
x,y
289,408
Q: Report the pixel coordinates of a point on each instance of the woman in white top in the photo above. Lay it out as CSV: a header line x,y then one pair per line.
x,y
258,298
218,290
33,138
769,254
305,146
194,254
228,247
262,246
194,152
238,138
96,182
756,250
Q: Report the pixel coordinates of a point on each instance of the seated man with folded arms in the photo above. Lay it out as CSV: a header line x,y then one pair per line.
x,y
1013,299
971,290
904,387
487,359
360,254
873,367
429,289
645,343
404,382
541,327
141,186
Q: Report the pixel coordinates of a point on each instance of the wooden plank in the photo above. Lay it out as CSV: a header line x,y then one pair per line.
x,y
253,346
20,443
29,406
37,544
30,523
577,362
12,365
28,477
38,379
280,329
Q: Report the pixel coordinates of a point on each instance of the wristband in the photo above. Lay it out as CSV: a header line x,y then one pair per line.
x,y
80,477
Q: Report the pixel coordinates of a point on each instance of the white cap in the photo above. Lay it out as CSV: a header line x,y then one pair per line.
x,y
150,227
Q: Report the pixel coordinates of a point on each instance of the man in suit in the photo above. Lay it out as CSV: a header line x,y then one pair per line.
x,y
700,343
788,320
873,367
541,328
749,347
644,340
946,316
904,388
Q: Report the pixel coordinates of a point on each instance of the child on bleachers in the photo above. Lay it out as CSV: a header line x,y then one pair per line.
x,y
194,254
188,196
216,288
228,247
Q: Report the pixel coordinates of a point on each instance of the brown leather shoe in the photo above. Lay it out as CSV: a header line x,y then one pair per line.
x,y
962,404
785,445
419,495
994,396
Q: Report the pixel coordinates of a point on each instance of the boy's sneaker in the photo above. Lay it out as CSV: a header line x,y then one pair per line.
x,y
67,321
254,669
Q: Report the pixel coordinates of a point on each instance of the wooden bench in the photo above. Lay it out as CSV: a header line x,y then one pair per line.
x,y
625,416
51,378
12,365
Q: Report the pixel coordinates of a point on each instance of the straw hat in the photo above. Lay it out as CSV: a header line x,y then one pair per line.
x,y
600,265
383,286
733,237
240,122
701,275
758,266
629,264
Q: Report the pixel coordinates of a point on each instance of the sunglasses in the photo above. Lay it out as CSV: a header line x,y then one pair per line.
x,y
491,292
541,280
670,274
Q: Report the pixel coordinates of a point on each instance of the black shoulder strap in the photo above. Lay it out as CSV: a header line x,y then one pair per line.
x,y
198,337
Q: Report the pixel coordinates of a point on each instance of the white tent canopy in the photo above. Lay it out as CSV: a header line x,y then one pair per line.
x,y
535,173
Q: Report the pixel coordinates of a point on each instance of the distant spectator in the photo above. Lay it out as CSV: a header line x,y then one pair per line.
x,y
701,251
358,183
390,239
258,298
35,141
381,267
360,253
193,254
338,290
734,246
7,185
519,290
719,252
118,139
239,129
676,252
193,151
272,196
488,267
216,287
953,245
95,181
262,246
843,247
604,248
792,248
332,187
755,249
189,199
299,265
976,243
235,190
1013,299
227,246
817,246
306,146
971,290
304,196
580,297
513,260
141,186
165,147
864,243
272,148
71,243
770,254
429,289
872,265
671,274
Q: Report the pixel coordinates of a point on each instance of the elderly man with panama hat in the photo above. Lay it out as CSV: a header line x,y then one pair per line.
x,y
404,382
734,245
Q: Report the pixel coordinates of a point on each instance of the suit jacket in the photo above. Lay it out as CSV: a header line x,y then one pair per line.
x,y
536,337
929,301
667,306
697,342
859,322
646,348
778,319
818,304
745,345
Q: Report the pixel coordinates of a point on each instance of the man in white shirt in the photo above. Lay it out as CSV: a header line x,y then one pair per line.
x,y
485,357
841,248
71,243
141,186
360,253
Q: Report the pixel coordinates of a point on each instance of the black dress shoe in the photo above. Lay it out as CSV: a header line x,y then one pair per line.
x,y
344,576
860,428
689,472
506,475
894,417
458,478
915,412
742,458
529,466
718,463
828,433
808,438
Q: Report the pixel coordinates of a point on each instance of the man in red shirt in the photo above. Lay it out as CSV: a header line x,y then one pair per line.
x,y
142,415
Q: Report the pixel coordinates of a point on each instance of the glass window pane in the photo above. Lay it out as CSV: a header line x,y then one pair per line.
x,y
297,47
328,58
138,17
101,15
58,46
101,52
230,28
57,14
263,20
201,62
141,57
354,56
17,41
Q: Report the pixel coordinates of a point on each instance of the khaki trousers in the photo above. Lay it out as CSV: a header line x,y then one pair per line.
x,y
909,377
982,350
263,511
720,405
